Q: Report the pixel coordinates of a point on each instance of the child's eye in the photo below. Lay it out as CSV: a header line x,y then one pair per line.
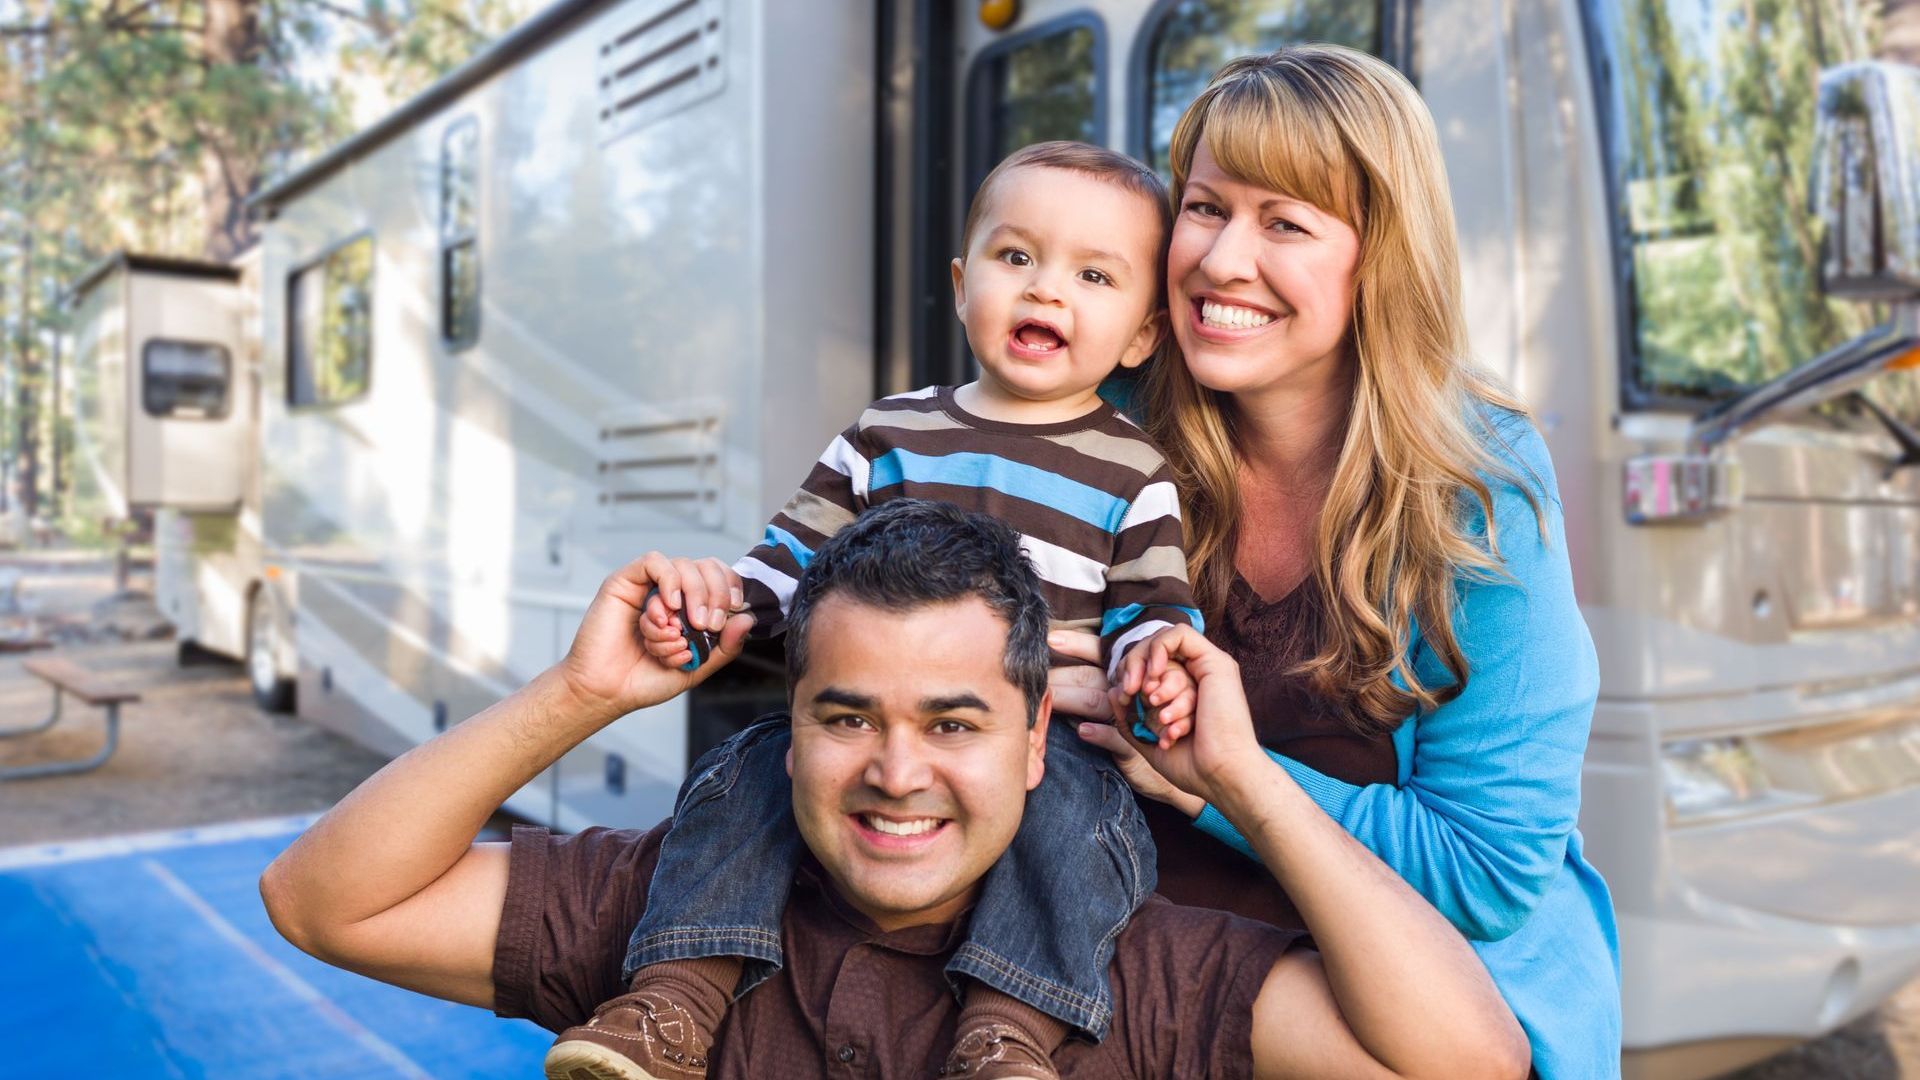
x,y
1096,277
1016,257
1202,208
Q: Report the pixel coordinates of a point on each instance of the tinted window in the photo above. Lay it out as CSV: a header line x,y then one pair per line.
x,y
1195,37
184,379
1710,136
330,327
460,234
1042,87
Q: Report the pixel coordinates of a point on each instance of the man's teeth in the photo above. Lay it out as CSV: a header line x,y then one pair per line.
x,y
900,828
1232,318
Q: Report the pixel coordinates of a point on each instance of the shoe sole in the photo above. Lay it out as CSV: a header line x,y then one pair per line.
x,y
587,1061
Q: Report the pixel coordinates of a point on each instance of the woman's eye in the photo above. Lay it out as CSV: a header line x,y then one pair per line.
x,y
1282,225
1204,209
1096,277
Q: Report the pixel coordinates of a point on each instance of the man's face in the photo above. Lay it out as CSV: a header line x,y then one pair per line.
x,y
911,754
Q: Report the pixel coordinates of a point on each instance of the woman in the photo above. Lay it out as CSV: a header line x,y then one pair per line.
x,y
1375,535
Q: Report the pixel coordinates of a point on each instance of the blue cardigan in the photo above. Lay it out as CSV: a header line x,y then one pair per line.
x,y
1482,820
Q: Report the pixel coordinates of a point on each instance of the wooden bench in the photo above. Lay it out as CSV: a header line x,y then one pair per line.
x,y
67,677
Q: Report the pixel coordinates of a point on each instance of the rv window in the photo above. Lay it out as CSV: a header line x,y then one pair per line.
x,y
1709,120
460,234
1041,85
330,327
184,379
1195,37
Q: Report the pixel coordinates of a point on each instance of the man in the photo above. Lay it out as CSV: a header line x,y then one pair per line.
x,y
918,726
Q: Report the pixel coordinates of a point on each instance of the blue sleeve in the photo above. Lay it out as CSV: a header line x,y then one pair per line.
x,y
1480,827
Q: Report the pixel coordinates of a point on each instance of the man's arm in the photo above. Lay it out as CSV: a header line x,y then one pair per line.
x,y
1394,990
390,884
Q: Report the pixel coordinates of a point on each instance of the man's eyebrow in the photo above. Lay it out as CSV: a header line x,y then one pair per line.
x,y
953,703
834,695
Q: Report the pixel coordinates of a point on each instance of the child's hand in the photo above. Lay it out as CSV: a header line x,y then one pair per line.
x,y
708,593
1173,694
1149,677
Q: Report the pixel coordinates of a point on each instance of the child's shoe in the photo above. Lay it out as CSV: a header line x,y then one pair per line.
x,y
1000,1038
661,1029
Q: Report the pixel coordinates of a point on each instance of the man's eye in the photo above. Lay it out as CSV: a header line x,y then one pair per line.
x,y
851,722
1096,277
952,727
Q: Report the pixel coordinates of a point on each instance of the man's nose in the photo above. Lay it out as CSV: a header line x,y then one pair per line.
x,y
899,766
1234,254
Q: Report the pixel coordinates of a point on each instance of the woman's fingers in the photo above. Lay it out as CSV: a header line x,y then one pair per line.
x,y
720,593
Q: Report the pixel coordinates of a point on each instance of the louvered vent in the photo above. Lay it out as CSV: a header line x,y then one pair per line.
x,y
660,56
653,464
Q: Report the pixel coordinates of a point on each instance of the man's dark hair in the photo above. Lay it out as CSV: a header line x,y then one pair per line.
x,y
908,553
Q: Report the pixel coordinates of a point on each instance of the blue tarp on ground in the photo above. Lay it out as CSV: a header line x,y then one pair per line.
x,y
154,958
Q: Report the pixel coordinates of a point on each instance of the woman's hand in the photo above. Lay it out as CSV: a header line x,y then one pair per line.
x,y
608,668
1078,689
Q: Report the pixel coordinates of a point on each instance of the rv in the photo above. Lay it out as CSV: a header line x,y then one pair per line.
x,y
611,285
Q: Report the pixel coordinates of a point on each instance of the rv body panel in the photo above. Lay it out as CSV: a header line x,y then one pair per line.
x,y
672,324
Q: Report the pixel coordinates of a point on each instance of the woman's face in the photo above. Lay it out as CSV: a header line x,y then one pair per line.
x,y
1260,285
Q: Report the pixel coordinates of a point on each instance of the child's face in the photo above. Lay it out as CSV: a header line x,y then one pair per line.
x,y
1058,285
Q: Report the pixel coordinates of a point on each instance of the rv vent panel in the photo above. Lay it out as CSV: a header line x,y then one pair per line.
x,y
658,57
655,464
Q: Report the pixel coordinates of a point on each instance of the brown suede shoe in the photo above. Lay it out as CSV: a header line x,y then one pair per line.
x,y
998,1051
638,1036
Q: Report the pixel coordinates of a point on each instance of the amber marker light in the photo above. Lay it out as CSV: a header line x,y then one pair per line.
x,y
998,14
1906,361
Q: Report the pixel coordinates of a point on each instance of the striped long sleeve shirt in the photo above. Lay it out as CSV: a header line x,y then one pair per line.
x,y
1092,499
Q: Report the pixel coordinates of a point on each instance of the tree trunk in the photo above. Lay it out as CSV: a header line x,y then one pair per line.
x,y
231,38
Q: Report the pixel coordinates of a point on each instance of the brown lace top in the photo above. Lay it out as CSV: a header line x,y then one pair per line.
x,y
1266,638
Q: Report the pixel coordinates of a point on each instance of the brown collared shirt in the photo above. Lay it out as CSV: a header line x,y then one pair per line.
x,y
853,1001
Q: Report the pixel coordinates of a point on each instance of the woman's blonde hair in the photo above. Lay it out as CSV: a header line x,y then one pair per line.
x,y
1346,132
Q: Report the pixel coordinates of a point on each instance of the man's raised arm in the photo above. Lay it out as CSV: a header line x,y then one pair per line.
x,y
1394,990
390,884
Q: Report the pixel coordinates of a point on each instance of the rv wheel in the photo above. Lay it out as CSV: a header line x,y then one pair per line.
x,y
270,691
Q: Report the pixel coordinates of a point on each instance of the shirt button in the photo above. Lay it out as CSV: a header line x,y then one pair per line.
x,y
845,1055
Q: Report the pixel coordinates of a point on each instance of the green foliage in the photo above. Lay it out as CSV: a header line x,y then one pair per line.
x,y
145,125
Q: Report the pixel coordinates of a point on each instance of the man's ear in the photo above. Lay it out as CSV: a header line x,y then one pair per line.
x,y
789,760
959,268
1037,740
1146,339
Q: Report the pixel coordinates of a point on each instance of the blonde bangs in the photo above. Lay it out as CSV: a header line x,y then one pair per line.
x,y
1263,132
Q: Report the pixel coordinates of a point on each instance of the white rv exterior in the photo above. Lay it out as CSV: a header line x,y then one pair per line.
x,y
679,303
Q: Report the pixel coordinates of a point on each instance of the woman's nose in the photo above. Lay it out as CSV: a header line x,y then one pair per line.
x,y
1232,256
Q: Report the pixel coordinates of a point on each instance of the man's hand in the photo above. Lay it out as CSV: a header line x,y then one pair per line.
x,y
609,668
1222,747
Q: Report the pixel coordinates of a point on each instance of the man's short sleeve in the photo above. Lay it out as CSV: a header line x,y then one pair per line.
x,y
572,902
1185,980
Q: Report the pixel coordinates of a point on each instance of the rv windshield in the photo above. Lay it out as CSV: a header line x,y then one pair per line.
x,y
1709,114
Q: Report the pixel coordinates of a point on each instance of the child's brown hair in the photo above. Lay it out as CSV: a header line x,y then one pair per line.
x,y
1088,160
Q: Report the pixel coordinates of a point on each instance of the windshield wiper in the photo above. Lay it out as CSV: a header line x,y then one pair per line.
x,y
1835,373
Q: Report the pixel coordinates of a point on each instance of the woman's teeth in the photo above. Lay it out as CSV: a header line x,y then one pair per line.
x,y
900,828
1232,318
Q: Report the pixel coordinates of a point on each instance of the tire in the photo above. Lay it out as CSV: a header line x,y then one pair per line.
x,y
270,691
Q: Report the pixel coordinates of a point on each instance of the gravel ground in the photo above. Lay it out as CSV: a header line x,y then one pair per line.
x,y
196,750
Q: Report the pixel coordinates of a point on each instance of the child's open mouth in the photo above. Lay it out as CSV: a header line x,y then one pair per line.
x,y
1034,340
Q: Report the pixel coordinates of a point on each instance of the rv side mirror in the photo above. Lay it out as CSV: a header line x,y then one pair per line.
x,y
1866,180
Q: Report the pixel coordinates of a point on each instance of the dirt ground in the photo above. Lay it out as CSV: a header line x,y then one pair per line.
x,y
196,750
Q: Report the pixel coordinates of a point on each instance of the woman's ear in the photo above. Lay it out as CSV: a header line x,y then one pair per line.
x,y
1145,340
959,268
